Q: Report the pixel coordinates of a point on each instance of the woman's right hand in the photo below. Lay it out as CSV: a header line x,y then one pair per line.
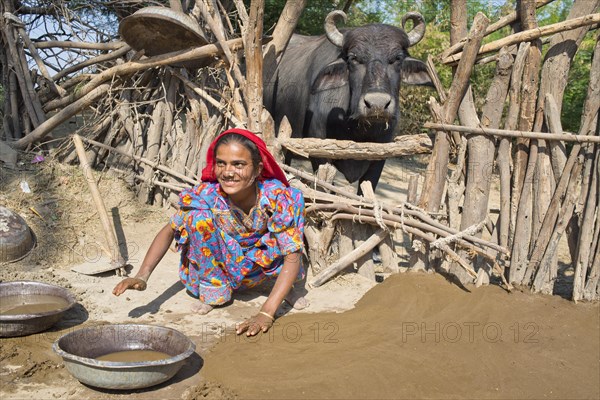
x,y
129,283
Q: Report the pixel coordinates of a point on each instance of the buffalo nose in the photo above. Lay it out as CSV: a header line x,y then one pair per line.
x,y
377,101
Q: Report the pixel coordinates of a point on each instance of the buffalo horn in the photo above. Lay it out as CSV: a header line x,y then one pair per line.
x,y
331,30
418,31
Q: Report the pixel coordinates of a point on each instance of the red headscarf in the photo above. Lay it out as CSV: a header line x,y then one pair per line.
x,y
270,168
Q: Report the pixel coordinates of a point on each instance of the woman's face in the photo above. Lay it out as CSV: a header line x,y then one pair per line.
x,y
235,170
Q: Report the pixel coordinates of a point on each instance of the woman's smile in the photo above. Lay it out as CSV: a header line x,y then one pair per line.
x,y
236,173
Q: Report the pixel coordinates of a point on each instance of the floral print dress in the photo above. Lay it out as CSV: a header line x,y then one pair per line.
x,y
223,249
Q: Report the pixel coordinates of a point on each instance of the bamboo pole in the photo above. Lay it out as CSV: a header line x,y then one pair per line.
x,y
566,137
117,260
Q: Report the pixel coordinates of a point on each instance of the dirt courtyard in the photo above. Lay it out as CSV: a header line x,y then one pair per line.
x,y
411,336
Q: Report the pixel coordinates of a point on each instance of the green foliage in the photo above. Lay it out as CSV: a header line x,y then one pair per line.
x,y
579,80
311,21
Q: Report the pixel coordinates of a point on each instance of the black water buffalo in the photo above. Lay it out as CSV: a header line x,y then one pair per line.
x,y
345,85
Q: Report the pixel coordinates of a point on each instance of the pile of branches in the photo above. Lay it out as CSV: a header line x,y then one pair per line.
x,y
149,108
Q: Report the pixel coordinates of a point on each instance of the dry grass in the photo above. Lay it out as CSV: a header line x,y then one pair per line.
x,y
61,212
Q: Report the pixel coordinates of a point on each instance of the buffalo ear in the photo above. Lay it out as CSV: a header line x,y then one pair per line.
x,y
333,76
414,72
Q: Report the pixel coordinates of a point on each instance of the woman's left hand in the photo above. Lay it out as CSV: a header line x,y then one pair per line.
x,y
253,325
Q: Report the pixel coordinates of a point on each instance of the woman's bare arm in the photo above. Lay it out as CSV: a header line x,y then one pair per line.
x,y
155,253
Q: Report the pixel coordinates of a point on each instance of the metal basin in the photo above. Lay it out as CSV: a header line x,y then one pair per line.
x,y
79,350
160,30
27,324
16,238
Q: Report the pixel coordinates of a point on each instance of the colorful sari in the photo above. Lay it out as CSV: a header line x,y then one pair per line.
x,y
223,249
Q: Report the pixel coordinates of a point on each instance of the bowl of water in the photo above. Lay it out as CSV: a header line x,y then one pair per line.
x,y
124,356
28,307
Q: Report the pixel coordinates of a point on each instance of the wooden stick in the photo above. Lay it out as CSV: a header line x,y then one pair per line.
x,y
348,259
154,182
216,26
481,155
501,23
523,183
439,230
14,104
592,285
586,232
520,147
565,215
569,176
389,258
58,118
121,51
557,148
567,137
416,232
109,233
404,208
154,135
38,61
438,166
435,78
288,19
79,45
198,53
253,87
347,149
529,35
24,79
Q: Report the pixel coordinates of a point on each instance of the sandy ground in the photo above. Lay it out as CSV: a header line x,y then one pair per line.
x,y
412,336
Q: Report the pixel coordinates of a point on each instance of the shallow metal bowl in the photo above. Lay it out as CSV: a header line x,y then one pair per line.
x,y
16,238
27,324
160,30
79,350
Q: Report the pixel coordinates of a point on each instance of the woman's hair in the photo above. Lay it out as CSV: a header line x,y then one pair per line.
x,y
244,141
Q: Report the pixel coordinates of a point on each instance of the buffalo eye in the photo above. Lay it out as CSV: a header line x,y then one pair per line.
x,y
352,59
398,59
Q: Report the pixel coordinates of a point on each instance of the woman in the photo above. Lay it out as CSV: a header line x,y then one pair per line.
x,y
243,224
